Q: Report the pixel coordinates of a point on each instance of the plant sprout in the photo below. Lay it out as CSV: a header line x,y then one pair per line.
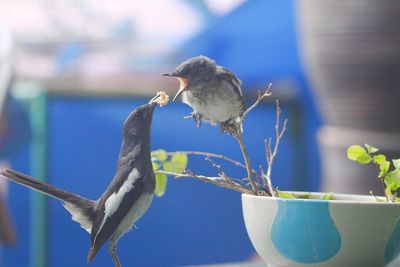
x,y
389,171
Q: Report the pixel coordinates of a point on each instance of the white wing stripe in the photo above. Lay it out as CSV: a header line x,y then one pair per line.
x,y
115,199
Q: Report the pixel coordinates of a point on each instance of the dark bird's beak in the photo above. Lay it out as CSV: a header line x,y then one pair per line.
x,y
170,74
153,102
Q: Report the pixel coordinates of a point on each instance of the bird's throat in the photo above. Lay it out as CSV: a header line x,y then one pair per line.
x,y
183,83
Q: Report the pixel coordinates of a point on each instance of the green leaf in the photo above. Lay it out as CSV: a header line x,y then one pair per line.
x,y
396,163
383,168
379,159
160,154
161,184
383,164
392,180
283,194
167,166
354,151
328,196
359,154
179,162
364,159
371,149
156,166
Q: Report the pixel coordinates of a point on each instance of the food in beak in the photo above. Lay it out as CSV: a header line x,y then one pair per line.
x,y
163,98
182,87
160,99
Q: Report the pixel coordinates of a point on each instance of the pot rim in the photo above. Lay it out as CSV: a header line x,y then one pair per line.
x,y
344,198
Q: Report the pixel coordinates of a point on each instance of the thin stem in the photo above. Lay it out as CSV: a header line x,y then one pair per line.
x,y
383,188
218,167
223,174
271,154
213,155
246,158
220,181
210,155
382,184
255,104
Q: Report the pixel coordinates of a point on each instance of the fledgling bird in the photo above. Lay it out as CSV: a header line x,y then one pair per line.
x,y
213,92
128,196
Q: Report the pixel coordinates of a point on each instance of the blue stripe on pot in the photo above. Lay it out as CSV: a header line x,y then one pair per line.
x,y
304,231
393,246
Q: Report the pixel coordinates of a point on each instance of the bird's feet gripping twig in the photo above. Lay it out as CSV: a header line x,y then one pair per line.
x,y
197,118
231,127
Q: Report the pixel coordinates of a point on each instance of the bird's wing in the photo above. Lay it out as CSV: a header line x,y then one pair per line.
x,y
228,76
114,206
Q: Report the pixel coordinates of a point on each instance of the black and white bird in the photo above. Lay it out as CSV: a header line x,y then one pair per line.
x,y
126,199
212,91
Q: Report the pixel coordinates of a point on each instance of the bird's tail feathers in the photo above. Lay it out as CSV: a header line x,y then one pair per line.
x,y
81,209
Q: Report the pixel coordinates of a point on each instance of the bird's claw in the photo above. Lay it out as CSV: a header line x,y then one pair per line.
x,y
197,118
224,127
229,128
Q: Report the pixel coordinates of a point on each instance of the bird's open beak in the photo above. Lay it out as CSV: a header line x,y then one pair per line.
x,y
183,85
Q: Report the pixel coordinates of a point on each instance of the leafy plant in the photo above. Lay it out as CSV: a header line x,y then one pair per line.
x,y
389,170
173,162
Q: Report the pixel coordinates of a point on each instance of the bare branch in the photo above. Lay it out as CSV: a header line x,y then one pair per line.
x,y
271,154
213,180
212,155
218,167
223,174
246,158
259,99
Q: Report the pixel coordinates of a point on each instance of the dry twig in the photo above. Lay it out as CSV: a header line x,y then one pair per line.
x,y
259,99
239,138
271,153
213,155
220,181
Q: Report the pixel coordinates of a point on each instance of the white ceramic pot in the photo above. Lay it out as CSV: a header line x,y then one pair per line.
x,y
351,231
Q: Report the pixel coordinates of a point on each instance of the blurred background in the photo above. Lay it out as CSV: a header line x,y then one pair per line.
x,y
71,71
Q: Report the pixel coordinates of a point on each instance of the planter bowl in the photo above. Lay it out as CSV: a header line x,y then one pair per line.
x,y
352,230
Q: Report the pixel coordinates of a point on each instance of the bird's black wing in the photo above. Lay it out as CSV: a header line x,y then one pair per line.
x,y
228,76
105,224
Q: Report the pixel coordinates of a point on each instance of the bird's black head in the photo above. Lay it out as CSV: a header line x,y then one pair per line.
x,y
193,72
139,120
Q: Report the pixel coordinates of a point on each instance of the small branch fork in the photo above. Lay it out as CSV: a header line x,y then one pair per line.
x,y
260,97
271,153
248,184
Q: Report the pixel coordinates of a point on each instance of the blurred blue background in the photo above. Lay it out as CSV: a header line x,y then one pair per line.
x,y
81,75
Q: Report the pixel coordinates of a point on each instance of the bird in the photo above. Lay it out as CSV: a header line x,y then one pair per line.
x,y
126,199
212,91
